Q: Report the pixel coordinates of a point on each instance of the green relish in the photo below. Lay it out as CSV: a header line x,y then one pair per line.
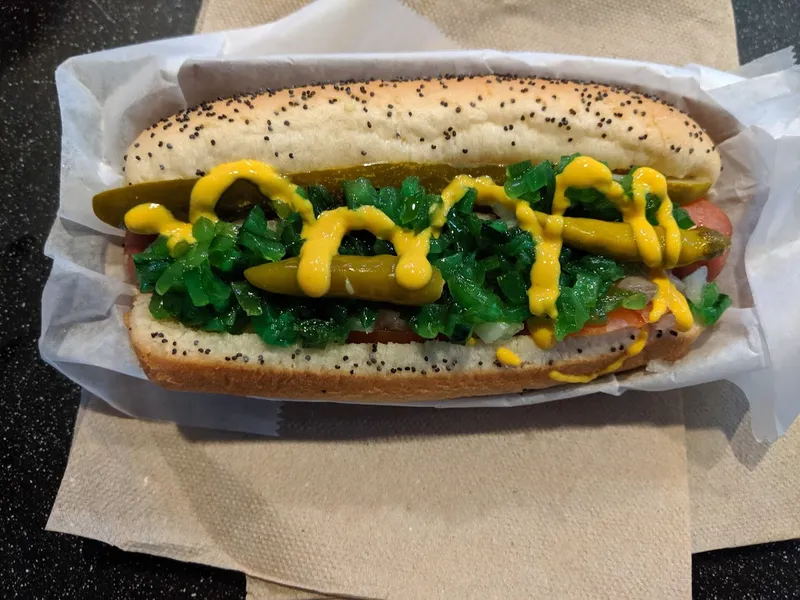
x,y
485,262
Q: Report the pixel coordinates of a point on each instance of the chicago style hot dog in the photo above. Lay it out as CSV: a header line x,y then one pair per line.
x,y
418,240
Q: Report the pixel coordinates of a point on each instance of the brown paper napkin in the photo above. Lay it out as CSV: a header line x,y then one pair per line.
x,y
742,491
677,32
259,589
403,503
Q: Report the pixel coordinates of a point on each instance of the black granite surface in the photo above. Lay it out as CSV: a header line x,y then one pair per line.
x,y
765,26
37,405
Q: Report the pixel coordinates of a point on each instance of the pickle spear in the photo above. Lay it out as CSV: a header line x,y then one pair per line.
x,y
684,191
362,277
373,277
616,240
110,206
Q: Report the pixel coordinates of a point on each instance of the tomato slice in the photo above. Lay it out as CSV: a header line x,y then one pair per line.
x,y
135,244
383,336
617,319
707,214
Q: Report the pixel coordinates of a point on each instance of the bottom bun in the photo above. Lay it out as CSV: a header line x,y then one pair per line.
x,y
180,358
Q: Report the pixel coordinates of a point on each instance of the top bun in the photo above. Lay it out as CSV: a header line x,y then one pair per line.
x,y
461,121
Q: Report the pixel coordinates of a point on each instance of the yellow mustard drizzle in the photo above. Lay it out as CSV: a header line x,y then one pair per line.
x,y
668,298
157,219
582,172
635,348
508,357
648,181
672,233
208,189
151,219
542,294
323,235
542,332
489,194
414,271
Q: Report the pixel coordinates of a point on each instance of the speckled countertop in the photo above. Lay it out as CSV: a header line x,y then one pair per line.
x,y
38,405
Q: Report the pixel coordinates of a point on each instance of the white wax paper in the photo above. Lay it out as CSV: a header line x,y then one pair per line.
x,y
108,97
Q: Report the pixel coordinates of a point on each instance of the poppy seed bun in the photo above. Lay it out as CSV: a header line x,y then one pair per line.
x,y
180,358
461,121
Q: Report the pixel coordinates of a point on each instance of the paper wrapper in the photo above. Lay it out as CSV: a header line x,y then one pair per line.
x,y
108,97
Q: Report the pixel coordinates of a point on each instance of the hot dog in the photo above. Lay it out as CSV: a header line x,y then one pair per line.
x,y
417,240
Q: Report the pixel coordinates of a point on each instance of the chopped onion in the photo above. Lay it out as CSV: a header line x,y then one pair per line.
x,y
637,283
676,282
356,325
694,285
506,214
491,332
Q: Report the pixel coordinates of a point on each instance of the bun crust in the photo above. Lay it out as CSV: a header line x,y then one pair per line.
x,y
464,121
184,359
